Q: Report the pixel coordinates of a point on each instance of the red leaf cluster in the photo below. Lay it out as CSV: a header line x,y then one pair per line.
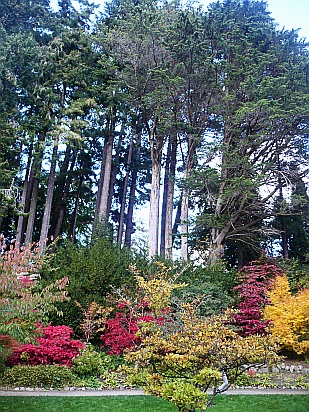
x,y
255,280
120,333
55,346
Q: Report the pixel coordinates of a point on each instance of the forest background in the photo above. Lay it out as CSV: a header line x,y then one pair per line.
x,y
201,113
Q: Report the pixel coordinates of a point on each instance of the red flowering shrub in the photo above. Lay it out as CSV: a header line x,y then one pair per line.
x,y
55,346
255,281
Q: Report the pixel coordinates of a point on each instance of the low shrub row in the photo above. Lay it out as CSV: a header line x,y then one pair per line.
x,y
38,376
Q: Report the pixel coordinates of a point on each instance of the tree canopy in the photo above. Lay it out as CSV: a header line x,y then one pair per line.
x,y
198,118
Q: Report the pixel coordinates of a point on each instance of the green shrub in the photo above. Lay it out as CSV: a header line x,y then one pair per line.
x,y
92,364
55,376
92,271
89,363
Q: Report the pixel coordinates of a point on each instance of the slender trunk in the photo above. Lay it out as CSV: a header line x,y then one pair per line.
x,y
114,171
154,210
129,220
177,220
22,218
100,186
64,202
184,217
60,188
168,198
164,198
103,211
75,213
156,142
32,213
31,197
124,194
185,200
49,198
218,235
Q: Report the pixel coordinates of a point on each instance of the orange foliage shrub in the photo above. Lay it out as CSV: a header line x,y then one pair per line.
x,y
289,316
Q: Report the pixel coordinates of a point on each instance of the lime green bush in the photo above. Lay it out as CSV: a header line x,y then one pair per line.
x,y
89,363
55,376
92,363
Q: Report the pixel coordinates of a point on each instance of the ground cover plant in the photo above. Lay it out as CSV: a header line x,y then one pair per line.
x,y
224,403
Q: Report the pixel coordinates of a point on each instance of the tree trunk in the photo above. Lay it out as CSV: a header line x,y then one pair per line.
x,y
32,213
185,200
49,198
75,213
60,201
100,187
31,195
168,198
22,219
124,194
114,171
103,212
153,235
156,142
129,220
64,202
177,220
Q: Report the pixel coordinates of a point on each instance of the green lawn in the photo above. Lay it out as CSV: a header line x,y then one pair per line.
x,y
224,403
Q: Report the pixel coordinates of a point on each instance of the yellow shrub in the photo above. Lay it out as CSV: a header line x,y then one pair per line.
x,y
289,316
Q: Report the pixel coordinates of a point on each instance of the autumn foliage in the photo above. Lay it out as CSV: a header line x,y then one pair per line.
x,y
288,316
23,302
150,304
53,346
255,279
180,356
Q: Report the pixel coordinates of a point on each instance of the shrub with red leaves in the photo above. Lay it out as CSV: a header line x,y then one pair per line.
x,y
120,333
55,346
255,280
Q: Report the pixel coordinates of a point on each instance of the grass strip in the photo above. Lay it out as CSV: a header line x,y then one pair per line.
x,y
224,403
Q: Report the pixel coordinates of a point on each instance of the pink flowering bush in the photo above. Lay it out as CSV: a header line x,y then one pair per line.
x,y
54,346
255,280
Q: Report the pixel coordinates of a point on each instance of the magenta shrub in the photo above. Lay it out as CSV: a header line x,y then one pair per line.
x,y
255,279
55,346
120,333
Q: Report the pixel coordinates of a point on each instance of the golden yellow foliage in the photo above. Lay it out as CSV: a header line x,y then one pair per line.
x,y
289,316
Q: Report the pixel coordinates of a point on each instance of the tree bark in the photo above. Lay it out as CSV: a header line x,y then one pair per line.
x,y
49,198
22,219
103,212
61,183
32,213
124,194
153,235
64,202
168,198
129,219
184,218
75,213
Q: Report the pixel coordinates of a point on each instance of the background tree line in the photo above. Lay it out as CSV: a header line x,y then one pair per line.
x,y
203,114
